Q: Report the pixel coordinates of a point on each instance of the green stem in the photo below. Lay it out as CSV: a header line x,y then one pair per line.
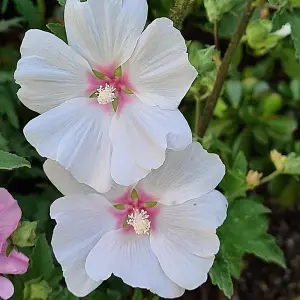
x,y
197,115
269,177
224,67
180,11
263,181
41,9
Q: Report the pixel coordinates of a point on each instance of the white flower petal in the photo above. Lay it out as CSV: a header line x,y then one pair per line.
x,y
142,133
81,221
63,180
284,31
196,240
105,32
78,282
76,134
47,77
184,268
206,212
129,256
159,68
67,184
185,175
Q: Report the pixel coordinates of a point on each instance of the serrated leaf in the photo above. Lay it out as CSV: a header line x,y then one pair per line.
x,y
220,276
248,216
9,161
59,30
265,247
244,231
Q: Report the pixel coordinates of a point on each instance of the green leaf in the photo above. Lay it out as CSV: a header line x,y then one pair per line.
x,y
234,184
7,107
289,63
41,260
294,20
292,17
63,295
234,92
27,9
240,163
292,164
295,88
216,8
230,20
244,231
248,216
201,59
4,6
137,295
281,128
59,30
9,161
220,276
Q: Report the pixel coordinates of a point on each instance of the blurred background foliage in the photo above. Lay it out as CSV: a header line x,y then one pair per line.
x,y
258,111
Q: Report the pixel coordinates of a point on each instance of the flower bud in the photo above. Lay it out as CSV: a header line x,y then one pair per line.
x,y
37,290
253,178
25,234
278,160
257,32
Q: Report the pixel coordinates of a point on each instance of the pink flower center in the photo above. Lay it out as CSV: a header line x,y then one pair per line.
x,y
136,211
110,88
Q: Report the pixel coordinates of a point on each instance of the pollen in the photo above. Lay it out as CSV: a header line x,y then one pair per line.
x,y
106,94
140,222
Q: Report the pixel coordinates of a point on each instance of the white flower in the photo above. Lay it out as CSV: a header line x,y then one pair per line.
x,y
284,31
162,236
85,135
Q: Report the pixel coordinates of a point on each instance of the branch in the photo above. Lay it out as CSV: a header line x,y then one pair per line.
x,y
223,69
180,11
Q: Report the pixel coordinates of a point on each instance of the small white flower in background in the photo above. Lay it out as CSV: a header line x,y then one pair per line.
x,y
109,100
158,235
284,31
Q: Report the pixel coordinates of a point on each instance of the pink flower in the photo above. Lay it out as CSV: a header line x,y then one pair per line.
x,y
15,262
